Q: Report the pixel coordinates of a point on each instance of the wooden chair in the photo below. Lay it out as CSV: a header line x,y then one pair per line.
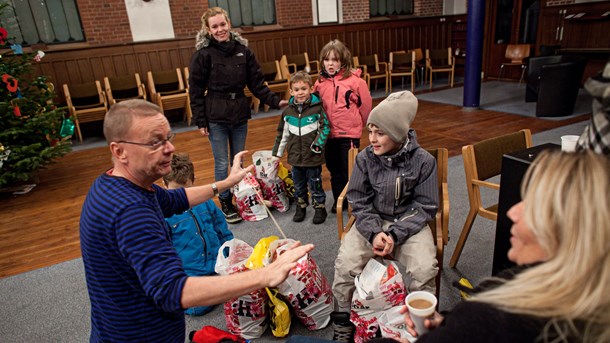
x,y
482,161
420,65
86,103
121,88
402,64
372,69
167,90
343,229
293,63
440,61
516,53
439,225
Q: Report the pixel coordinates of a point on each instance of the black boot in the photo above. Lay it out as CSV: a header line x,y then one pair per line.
x,y
343,327
320,213
229,211
299,214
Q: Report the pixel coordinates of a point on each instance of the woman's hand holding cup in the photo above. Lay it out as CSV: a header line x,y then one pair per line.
x,y
420,313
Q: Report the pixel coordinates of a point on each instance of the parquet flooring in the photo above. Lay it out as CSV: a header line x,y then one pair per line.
x,y
41,228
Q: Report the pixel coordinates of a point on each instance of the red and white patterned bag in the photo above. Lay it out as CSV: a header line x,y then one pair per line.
x,y
306,288
273,187
378,288
248,201
246,316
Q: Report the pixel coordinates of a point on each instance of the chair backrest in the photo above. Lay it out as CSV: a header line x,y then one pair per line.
x,y
166,81
85,94
402,60
488,153
370,61
124,87
271,70
517,52
439,57
419,55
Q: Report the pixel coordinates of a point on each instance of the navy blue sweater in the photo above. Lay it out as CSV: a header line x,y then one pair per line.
x,y
134,276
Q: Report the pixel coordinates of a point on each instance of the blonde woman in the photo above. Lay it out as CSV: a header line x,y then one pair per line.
x,y
223,66
560,291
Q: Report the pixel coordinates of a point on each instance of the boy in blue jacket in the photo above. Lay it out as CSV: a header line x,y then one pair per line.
x,y
198,233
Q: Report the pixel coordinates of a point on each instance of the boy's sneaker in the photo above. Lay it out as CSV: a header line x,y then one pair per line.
x,y
320,214
343,328
229,211
301,209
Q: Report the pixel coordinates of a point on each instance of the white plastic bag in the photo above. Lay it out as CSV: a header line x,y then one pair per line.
x,y
392,324
265,164
273,187
248,201
245,316
378,288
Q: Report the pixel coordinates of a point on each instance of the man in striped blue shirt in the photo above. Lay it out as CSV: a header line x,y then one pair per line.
x,y
137,286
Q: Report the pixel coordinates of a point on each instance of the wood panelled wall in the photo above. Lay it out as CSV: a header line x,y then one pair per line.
x,y
86,64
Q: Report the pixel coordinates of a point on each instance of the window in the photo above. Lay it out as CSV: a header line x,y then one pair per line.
x,y
43,21
389,7
247,12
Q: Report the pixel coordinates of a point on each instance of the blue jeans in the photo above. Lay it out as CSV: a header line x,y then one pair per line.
x,y
312,177
222,138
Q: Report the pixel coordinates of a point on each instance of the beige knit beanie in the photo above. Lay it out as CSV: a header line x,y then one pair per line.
x,y
395,114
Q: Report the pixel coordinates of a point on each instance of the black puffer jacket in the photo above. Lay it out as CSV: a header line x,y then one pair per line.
x,y
223,69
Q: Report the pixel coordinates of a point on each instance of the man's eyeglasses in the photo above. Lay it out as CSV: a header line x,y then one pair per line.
x,y
156,144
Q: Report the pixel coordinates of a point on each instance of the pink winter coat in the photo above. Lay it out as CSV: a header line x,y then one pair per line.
x,y
347,103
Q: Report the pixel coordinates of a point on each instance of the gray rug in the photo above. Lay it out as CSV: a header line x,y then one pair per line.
x,y
51,304
508,97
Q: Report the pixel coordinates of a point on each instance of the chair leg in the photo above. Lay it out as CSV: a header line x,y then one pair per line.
x,y
412,82
501,71
523,67
78,133
430,79
463,236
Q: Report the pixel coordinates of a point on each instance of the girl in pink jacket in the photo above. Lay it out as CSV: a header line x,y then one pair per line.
x,y
347,102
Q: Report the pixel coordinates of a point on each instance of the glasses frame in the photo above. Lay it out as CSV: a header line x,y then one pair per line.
x,y
156,145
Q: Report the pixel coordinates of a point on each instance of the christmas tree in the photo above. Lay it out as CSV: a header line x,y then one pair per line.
x,y
33,129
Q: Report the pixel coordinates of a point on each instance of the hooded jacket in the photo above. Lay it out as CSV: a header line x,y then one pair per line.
x,y
347,103
303,131
402,188
223,69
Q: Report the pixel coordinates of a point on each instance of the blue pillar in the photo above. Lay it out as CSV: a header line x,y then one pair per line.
x,y
474,53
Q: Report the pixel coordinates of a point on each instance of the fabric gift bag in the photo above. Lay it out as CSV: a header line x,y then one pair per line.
x,y
378,288
306,288
247,199
246,316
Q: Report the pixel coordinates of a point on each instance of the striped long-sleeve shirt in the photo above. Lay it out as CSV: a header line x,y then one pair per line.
x,y
134,276
402,188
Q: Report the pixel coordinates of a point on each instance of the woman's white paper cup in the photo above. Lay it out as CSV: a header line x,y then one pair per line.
x,y
568,143
421,306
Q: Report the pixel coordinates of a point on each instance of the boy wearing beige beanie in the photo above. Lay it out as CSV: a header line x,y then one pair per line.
x,y
393,192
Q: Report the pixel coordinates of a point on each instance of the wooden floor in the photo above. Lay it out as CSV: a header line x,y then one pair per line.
x,y
41,228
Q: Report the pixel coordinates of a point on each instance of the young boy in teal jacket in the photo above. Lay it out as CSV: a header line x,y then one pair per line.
x,y
198,233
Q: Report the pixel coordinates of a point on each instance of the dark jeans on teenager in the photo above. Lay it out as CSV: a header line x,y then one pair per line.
x,y
225,137
336,162
308,176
